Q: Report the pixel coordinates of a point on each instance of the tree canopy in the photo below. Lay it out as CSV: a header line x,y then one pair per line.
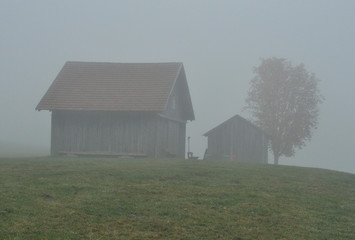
x,y
284,102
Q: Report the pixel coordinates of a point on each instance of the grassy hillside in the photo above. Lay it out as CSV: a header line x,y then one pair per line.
x,y
90,198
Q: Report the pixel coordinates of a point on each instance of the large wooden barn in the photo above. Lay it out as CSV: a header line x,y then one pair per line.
x,y
239,140
130,109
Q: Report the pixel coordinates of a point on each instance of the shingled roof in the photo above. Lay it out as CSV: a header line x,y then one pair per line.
x,y
114,87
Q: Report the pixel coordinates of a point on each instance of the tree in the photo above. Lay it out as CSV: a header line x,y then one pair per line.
x,y
284,102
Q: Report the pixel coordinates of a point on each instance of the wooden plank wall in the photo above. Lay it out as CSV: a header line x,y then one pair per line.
x,y
239,141
150,134
175,104
171,138
219,143
171,129
249,143
74,131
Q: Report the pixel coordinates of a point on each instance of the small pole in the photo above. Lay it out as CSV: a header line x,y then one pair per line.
x,y
188,144
189,154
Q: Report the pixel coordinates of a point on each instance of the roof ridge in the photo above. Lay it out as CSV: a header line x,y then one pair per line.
x,y
237,116
105,62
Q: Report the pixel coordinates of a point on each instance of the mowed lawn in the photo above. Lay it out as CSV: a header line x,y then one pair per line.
x,y
107,198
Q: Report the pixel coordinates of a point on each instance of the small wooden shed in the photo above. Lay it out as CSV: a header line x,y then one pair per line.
x,y
239,140
130,109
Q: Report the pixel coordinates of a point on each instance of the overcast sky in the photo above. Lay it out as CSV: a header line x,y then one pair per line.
x,y
219,43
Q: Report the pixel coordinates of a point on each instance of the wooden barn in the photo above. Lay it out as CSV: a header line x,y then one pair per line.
x,y
239,140
129,109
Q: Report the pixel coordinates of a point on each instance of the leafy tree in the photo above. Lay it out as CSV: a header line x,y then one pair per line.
x,y
284,101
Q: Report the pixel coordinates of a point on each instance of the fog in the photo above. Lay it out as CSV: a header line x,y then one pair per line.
x,y
219,43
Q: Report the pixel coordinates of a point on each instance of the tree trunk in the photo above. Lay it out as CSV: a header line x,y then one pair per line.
x,y
276,153
276,158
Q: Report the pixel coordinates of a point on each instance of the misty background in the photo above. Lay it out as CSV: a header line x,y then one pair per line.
x,y
219,42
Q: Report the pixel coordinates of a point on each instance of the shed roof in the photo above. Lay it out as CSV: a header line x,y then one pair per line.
x,y
114,87
236,118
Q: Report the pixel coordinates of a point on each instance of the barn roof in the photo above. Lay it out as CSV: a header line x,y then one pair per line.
x,y
114,87
235,118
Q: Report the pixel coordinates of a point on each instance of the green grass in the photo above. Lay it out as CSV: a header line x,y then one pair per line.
x,y
91,198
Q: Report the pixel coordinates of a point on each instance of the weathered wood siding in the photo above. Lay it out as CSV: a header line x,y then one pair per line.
x,y
178,99
170,138
238,140
114,132
99,131
171,126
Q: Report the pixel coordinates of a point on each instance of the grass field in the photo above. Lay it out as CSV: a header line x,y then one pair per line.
x,y
91,198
